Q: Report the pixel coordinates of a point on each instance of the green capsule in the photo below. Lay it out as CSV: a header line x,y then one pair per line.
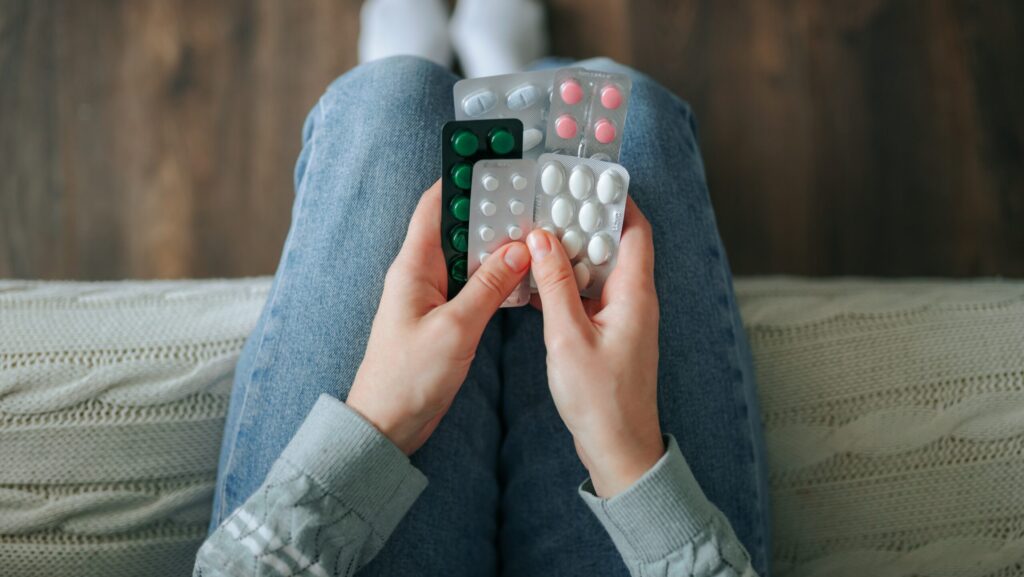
x,y
464,143
459,237
502,141
462,175
459,207
458,269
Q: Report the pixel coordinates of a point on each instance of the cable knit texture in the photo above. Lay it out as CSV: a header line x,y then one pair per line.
x,y
892,410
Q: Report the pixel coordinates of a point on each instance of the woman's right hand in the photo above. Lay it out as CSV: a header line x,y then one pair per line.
x,y
602,357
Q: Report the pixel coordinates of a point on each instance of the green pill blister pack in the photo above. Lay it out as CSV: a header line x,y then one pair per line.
x,y
463,143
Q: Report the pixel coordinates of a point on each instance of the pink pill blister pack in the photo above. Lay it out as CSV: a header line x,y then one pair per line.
x,y
525,96
587,113
582,201
501,212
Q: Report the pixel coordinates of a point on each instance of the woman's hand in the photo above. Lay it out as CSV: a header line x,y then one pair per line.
x,y
421,346
603,356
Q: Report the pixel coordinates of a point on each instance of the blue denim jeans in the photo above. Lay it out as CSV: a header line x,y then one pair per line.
x,y
502,467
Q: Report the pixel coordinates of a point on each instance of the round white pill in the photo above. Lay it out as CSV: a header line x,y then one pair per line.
x,y
515,233
581,180
483,256
519,181
516,207
531,138
590,217
582,273
561,212
479,102
609,186
490,182
572,242
599,249
488,208
552,178
486,233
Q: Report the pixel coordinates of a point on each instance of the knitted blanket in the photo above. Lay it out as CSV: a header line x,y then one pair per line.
x,y
894,413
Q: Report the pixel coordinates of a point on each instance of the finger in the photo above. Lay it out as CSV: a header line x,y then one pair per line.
x,y
490,285
556,282
634,268
423,238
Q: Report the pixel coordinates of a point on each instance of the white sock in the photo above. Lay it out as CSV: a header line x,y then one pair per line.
x,y
498,36
409,27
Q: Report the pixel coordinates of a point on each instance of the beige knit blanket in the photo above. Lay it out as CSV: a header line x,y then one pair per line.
x,y
894,415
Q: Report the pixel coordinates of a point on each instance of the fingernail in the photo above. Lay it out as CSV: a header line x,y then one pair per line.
x,y
517,258
539,245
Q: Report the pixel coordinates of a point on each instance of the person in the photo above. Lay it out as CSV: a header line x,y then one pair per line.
x,y
361,381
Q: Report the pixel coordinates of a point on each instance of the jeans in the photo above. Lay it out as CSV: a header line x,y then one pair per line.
x,y
502,467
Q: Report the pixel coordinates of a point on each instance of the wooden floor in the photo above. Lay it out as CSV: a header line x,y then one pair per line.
x,y
156,138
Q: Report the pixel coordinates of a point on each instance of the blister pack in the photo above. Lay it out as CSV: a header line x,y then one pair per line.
x,y
583,202
587,113
501,212
525,96
462,144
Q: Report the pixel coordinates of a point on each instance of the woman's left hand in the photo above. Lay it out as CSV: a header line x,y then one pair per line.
x,y
421,345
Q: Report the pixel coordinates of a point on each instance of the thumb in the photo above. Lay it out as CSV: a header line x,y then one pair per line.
x,y
556,282
490,285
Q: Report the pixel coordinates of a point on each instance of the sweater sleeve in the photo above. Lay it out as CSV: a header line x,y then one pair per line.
x,y
664,525
327,506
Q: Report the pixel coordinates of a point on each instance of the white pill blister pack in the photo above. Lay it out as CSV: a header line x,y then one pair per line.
x,y
502,211
582,201
587,113
525,96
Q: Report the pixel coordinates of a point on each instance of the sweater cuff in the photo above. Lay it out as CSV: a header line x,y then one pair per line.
x,y
659,514
356,464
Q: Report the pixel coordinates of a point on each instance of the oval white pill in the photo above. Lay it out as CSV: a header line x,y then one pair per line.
x,y
519,181
486,233
599,249
483,256
552,178
515,233
479,102
582,273
490,182
590,217
581,180
516,207
572,242
522,97
561,212
531,138
609,186
488,208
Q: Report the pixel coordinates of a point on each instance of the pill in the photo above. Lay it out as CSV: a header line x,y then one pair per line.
x,y
459,208
483,256
609,186
590,217
515,233
490,182
582,273
519,181
572,242
599,249
611,98
581,180
459,237
604,131
462,175
571,92
486,233
502,141
531,138
488,208
464,142
458,269
479,102
565,126
561,212
552,178
516,207
523,97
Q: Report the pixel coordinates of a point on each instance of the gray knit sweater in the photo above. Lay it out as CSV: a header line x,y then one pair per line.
x,y
332,499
